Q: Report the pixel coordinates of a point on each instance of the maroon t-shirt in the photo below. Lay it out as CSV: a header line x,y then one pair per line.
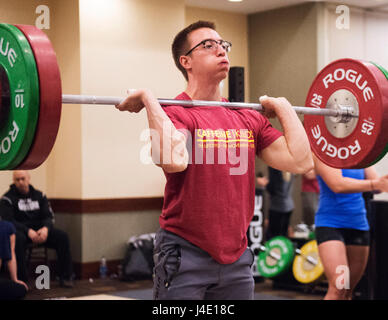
x,y
310,185
211,203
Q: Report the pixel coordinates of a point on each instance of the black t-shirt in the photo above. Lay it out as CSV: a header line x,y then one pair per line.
x,y
26,211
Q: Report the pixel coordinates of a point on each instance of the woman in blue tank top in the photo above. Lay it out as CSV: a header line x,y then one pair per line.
x,y
342,229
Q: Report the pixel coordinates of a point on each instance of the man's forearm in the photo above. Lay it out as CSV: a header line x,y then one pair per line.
x,y
296,138
168,145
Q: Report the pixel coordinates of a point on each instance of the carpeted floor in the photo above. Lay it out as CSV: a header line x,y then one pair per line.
x,y
114,289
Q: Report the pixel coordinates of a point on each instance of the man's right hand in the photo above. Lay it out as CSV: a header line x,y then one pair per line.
x,y
272,105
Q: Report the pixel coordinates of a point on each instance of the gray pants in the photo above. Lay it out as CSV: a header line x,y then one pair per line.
x,y
184,271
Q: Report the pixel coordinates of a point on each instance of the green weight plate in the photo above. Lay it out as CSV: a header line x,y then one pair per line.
x,y
268,265
385,72
383,153
20,102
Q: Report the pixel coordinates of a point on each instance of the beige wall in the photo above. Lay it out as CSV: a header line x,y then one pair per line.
x,y
282,52
232,27
124,44
64,179
118,228
366,37
105,234
283,62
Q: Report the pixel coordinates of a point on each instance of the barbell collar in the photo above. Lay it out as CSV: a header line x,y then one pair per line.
x,y
343,113
275,256
309,259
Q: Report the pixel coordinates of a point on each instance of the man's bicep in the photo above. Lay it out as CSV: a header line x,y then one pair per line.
x,y
182,123
277,155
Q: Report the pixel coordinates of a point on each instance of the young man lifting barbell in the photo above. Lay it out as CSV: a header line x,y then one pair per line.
x,y
201,249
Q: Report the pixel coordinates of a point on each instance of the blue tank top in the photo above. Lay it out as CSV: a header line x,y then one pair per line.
x,y
342,210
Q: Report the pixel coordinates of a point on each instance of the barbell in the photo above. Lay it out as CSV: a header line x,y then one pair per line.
x,y
351,95
278,254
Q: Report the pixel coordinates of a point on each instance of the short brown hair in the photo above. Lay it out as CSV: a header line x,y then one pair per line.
x,y
180,47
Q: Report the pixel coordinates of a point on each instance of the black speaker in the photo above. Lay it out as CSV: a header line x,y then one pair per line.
x,y
236,84
374,283
379,250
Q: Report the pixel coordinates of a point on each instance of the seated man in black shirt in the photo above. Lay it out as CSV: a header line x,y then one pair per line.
x,y
29,210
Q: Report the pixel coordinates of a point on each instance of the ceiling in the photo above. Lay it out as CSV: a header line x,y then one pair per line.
x,y
252,6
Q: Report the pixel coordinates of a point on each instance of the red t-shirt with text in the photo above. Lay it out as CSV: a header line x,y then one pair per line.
x,y
211,203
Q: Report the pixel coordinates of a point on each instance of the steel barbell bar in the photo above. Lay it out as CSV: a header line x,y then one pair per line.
x,y
344,113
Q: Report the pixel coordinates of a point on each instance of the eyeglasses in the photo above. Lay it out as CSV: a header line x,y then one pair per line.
x,y
212,45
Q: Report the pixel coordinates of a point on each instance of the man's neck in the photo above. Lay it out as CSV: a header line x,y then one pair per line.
x,y
23,192
203,91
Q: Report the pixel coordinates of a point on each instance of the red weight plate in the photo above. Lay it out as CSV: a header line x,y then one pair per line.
x,y
50,97
360,84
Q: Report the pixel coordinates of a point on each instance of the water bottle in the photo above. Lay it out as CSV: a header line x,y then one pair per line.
x,y
103,268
